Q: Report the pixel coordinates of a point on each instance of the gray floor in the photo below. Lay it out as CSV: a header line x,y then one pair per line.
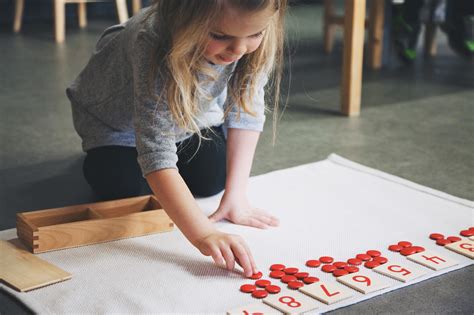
x,y
416,122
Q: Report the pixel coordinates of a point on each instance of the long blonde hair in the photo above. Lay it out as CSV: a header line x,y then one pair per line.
x,y
183,27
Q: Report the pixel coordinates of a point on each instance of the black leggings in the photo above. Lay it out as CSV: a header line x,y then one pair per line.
x,y
113,171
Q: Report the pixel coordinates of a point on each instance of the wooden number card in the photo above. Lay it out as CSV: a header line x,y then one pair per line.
x,y
291,302
399,272
432,260
363,282
464,247
326,293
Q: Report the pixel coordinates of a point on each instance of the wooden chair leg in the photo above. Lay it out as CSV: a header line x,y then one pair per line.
x,y
19,6
354,20
136,6
122,10
328,26
375,43
82,14
59,20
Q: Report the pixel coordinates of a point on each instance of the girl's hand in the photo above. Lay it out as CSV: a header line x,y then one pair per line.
x,y
226,249
236,209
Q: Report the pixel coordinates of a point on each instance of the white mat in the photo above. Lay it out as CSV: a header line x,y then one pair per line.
x,y
334,207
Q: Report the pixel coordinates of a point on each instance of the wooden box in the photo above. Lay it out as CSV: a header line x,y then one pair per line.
x,y
86,224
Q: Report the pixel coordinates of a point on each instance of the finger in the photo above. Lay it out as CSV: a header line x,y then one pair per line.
x,y
267,219
217,215
250,256
243,257
217,256
228,257
253,223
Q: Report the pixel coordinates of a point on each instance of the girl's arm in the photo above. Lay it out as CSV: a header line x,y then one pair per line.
x,y
234,205
175,197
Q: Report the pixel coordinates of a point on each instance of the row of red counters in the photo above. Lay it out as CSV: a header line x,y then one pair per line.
x,y
373,258
406,248
441,241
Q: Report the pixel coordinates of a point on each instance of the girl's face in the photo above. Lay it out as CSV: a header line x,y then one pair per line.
x,y
236,34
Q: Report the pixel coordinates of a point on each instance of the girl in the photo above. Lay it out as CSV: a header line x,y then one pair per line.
x,y
179,72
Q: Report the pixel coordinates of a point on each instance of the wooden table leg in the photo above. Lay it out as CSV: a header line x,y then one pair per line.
x,y
353,57
376,22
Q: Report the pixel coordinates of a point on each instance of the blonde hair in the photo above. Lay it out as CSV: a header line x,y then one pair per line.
x,y
178,21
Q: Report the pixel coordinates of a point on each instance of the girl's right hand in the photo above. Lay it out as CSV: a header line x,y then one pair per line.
x,y
226,249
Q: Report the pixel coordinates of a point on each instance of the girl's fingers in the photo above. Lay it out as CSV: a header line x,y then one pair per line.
x,y
266,217
228,256
254,223
217,256
249,255
243,257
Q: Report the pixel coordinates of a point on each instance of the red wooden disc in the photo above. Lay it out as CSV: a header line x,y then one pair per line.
x,y
328,268
418,249
259,294
277,274
354,261
454,238
443,242
404,243
248,288
436,236
291,271
313,263
373,253
272,289
309,280
467,233
256,276
326,259
301,275
408,251
351,269
381,260
371,264
295,285
395,248
288,278
340,264
262,283
340,272
363,257
277,267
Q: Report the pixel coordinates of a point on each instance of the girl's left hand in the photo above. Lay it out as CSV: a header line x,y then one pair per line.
x,y
236,209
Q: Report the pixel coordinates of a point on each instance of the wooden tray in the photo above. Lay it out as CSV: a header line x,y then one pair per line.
x,y
86,224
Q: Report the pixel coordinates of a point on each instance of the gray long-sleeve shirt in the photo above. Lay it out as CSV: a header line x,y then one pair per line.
x,y
112,105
